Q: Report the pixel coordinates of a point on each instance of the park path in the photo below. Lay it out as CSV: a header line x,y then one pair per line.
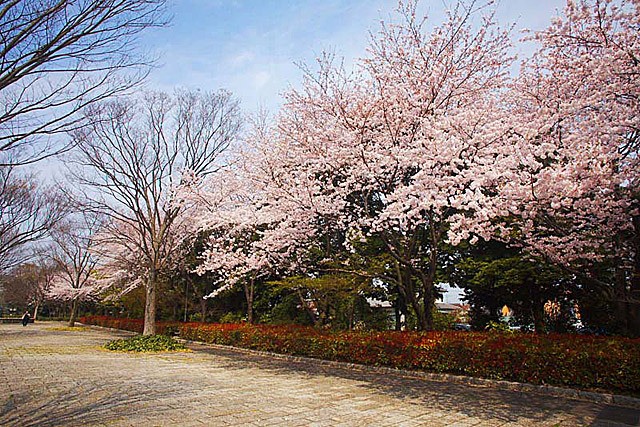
x,y
52,377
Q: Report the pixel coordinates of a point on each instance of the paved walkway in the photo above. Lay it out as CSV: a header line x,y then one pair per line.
x,y
54,377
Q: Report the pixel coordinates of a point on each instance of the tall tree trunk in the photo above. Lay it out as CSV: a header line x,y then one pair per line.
x,y
248,293
407,290
626,290
428,279
351,314
428,301
35,311
400,305
621,302
150,305
424,308
186,298
401,310
74,311
420,315
203,310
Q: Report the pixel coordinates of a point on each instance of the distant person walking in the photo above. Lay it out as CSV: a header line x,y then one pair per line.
x,y
25,318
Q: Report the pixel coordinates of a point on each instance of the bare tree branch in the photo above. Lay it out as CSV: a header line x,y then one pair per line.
x,y
27,212
59,56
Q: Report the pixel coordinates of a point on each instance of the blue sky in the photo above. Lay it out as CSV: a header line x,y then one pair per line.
x,y
250,47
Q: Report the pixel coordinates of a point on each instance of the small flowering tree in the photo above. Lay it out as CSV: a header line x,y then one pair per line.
x,y
72,254
45,273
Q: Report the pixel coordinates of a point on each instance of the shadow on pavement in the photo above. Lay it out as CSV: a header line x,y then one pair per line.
x,y
71,409
481,402
615,416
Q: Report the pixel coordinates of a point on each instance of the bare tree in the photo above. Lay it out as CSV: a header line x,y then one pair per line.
x,y
19,285
132,160
46,274
27,211
71,252
27,285
59,56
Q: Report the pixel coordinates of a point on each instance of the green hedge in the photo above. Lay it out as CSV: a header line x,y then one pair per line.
x,y
145,343
588,362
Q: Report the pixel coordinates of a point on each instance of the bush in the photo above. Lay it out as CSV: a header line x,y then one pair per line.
x,y
231,318
497,326
145,343
582,361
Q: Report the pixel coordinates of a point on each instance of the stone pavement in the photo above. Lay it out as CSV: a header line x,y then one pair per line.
x,y
52,377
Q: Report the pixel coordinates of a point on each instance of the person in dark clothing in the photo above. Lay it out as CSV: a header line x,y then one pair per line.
x,y
25,318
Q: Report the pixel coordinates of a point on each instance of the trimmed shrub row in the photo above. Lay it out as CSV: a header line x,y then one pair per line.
x,y
145,343
133,325
588,362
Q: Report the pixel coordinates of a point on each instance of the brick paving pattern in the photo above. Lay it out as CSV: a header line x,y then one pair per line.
x,y
52,377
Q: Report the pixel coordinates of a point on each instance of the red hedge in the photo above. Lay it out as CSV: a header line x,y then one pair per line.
x,y
609,363
133,325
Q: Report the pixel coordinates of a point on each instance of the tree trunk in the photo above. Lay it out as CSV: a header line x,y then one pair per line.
x,y
35,312
428,300
248,293
186,299
428,279
203,310
425,311
74,311
536,305
351,314
537,311
420,317
407,290
150,305
400,306
401,310
633,314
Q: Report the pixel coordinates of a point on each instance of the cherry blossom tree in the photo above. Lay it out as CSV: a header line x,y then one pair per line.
x,y
247,237
237,235
429,142
568,190
46,272
396,149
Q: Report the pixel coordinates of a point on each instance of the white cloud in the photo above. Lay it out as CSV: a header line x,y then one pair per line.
x,y
260,79
241,59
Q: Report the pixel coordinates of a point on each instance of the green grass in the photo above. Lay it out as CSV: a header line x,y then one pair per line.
x,y
145,343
